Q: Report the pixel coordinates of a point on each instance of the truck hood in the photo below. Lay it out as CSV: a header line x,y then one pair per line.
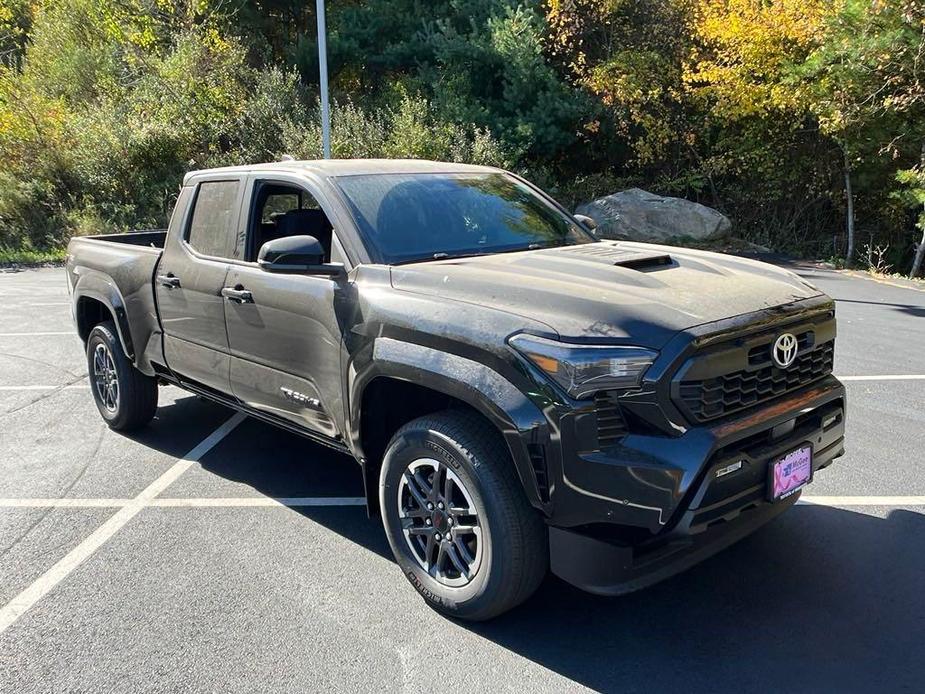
x,y
621,291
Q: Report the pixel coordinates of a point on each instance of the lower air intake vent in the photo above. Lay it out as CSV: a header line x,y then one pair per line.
x,y
611,427
538,461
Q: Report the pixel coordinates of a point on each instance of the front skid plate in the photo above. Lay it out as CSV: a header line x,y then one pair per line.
x,y
603,568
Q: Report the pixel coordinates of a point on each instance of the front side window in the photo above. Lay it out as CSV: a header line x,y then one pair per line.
x,y
411,217
279,210
213,215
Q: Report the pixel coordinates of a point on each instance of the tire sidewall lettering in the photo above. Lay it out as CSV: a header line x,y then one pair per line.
x,y
416,445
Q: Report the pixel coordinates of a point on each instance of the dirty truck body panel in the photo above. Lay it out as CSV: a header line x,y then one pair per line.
x,y
635,482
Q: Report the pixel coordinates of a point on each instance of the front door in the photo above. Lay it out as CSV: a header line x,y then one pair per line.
x,y
189,282
283,335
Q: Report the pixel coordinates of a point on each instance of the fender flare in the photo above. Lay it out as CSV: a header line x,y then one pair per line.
x,y
92,284
519,421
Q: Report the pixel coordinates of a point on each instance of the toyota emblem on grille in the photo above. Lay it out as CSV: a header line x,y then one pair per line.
x,y
784,351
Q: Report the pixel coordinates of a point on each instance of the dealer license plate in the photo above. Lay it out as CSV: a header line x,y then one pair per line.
x,y
791,473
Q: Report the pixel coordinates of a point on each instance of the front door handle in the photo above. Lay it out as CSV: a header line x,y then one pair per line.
x,y
169,280
238,294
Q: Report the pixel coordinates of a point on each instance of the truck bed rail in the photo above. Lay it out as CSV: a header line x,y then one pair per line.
x,y
152,238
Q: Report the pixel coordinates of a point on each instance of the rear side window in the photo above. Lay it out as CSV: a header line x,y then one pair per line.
x,y
210,228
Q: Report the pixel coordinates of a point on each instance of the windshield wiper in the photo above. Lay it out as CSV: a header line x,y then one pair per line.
x,y
444,255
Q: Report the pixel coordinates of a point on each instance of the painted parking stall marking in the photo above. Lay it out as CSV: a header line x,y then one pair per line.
x,y
62,569
892,377
197,502
40,334
72,386
895,501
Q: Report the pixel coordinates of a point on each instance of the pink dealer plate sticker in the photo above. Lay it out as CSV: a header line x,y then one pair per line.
x,y
791,472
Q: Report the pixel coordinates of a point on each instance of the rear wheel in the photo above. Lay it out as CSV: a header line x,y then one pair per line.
x,y
457,519
125,397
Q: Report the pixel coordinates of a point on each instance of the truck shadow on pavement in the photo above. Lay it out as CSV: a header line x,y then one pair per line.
x,y
180,424
259,457
822,599
908,309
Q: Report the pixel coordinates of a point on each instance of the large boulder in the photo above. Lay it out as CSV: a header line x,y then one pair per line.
x,y
638,215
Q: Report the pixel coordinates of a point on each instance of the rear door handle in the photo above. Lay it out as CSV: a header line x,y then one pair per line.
x,y
238,294
169,281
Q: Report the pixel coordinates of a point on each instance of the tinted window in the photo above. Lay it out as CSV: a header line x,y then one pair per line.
x,y
281,210
213,215
407,217
175,227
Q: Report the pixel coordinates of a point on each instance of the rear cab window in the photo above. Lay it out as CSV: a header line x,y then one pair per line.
x,y
211,227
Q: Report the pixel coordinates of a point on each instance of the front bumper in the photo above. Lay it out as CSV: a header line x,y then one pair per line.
x,y
608,568
652,506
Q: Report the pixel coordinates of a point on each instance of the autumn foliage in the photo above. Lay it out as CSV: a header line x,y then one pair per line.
x,y
803,120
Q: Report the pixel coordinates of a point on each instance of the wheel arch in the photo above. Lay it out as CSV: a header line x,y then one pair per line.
x,y
95,304
404,381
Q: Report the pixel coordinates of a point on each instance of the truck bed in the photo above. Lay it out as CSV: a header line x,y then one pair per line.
x,y
118,270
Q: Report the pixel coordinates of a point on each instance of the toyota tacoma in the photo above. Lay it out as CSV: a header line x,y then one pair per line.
x,y
520,395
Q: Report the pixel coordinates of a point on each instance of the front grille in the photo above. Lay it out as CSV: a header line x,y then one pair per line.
x,y
716,397
611,427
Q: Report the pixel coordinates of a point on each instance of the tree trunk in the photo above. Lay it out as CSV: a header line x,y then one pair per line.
x,y
919,251
849,253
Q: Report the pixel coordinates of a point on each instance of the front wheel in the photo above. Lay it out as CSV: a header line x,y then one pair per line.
x,y
457,519
125,397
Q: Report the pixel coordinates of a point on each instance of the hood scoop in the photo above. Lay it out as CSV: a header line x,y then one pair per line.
x,y
622,257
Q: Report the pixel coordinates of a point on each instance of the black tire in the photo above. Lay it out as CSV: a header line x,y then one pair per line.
x,y
514,548
135,400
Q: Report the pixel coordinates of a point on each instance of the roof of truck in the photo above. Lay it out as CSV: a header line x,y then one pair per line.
x,y
351,167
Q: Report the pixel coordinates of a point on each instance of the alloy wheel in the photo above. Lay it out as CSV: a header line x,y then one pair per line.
x,y
105,378
440,522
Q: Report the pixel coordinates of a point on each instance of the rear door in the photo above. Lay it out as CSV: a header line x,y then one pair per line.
x,y
189,283
285,339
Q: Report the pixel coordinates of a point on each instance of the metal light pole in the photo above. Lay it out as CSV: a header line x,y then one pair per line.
x,y
323,69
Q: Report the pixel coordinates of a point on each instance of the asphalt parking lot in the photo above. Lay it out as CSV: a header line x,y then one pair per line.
x,y
215,553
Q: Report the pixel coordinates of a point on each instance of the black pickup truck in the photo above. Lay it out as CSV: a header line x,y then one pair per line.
x,y
521,395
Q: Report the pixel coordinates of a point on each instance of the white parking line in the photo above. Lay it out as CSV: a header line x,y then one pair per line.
x,y
39,334
74,386
35,304
64,503
891,377
262,501
167,502
14,609
863,500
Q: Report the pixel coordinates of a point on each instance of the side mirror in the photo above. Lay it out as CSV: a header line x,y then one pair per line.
x,y
586,222
296,254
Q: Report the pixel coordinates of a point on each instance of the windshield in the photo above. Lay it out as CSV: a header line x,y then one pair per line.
x,y
409,217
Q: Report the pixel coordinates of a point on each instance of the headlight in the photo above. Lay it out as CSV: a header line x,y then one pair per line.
x,y
585,369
